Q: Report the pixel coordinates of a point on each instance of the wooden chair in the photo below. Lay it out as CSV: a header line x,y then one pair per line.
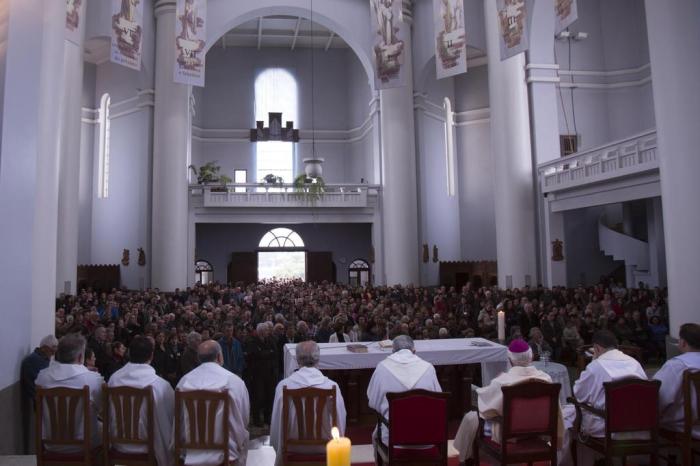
x,y
416,418
631,405
311,408
63,406
689,446
121,420
200,408
528,425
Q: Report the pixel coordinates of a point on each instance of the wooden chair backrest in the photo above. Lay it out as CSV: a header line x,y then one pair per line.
x,y
61,407
122,414
632,405
310,407
530,409
418,417
691,383
200,408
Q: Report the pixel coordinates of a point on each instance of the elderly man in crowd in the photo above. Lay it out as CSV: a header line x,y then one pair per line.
x,y
138,373
307,356
67,371
210,375
490,399
400,372
671,402
188,360
234,359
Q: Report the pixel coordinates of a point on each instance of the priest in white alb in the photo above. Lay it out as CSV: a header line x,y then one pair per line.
x,y
400,372
210,375
67,370
490,400
308,355
138,373
671,401
609,364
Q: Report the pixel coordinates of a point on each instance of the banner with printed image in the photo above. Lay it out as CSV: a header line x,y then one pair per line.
x,y
450,38
190,41
565,13
514,24
75,12
389,44
127,33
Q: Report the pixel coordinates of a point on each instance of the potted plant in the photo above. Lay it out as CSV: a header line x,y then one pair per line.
x,y
271,178
209,174
310,187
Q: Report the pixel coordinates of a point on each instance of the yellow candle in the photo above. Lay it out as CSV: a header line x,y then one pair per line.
x,y
338,450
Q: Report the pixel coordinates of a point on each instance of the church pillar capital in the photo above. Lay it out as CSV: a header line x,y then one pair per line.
x,y
162,7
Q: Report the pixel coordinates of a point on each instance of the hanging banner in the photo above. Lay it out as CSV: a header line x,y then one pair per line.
x,y
566,12
74,16
127,29
450,38
190,40
514,26
388,43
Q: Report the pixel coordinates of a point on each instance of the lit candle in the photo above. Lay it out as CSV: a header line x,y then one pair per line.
x,y
501,326
338,450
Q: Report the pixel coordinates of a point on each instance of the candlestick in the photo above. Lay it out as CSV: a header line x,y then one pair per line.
x,y
338,450
501,326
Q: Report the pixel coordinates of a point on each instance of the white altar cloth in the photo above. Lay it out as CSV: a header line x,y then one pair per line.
x,y
335,356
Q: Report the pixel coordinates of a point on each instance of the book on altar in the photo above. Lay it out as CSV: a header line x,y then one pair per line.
x,y
357,348
386,344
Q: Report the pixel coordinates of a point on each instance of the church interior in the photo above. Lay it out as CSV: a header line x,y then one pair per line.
x,y
458,232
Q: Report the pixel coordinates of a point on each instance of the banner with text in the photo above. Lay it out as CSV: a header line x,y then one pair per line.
x,y
75,11
127,32
566,12
450,38
190,41
514,24
389,45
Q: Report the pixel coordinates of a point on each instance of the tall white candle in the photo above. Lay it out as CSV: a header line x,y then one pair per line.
x,y
501,326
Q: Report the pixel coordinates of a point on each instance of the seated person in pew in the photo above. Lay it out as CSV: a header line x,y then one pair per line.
x,y
308,355
400,372
490,400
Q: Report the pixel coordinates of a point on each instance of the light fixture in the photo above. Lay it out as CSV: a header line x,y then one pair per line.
x,y
313,167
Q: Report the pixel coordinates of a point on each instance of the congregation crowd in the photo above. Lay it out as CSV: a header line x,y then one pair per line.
x,y
233,336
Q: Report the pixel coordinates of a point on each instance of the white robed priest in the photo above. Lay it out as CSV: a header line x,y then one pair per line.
x,y
138,373
68,371
210,375
609,364
490,399
400,372
308,355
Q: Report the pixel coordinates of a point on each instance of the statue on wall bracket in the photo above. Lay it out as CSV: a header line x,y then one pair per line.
x,y
125,257
142,257
557,250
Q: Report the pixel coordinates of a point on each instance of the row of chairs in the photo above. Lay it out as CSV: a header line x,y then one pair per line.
x,y
417,417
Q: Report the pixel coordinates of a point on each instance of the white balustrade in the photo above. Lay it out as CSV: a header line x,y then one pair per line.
x,y
284,195
633,155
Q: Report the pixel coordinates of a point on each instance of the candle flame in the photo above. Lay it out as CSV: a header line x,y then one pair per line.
x,y
335,433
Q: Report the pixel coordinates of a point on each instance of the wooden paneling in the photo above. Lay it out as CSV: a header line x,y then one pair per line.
x,y
319,267
243,267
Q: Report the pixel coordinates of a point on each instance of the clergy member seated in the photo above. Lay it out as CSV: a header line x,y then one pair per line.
x,y
308,355
67,371
671,402
490,399
608,364
400,372
138,373
210,375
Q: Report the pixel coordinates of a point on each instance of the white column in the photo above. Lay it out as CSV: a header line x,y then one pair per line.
x,y
511,152
655,233
69,171
171,147
400,201
674,35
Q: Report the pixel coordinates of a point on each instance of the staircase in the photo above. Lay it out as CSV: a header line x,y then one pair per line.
x,y
622,247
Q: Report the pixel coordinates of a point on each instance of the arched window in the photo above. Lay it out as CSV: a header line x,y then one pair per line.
x,y
103,148
358,273
275,91
281,255
203,272
281,238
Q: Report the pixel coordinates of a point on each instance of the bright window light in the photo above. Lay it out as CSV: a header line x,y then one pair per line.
x,y
281,265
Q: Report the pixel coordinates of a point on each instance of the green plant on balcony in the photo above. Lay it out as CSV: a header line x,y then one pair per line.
x,y
209,174
271,178
310,188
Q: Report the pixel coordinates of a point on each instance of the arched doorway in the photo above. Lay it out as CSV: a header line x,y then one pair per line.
x,y
281,256
203,272
359,273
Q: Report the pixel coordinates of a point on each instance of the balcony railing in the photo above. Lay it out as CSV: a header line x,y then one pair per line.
x,y
284,195
629,156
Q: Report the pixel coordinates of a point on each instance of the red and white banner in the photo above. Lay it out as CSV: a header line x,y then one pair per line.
x,y
450,38
75,12
190,41
566,12
127,33
389,44
514,23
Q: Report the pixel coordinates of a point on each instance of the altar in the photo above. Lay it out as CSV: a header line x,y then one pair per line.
x,y
456,362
